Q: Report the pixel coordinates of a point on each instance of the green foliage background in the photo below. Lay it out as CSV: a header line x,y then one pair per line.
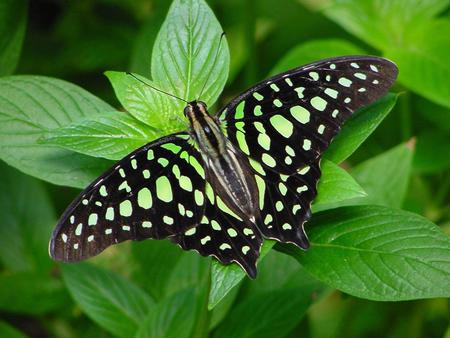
x,y
379,264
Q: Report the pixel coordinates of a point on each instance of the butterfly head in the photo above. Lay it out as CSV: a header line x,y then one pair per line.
x,y
195,109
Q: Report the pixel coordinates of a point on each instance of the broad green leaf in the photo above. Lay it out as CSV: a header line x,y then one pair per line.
x,y
378,253
423,61
10,331
225,277
173,317
111,135
358,128
159,111
183,57
156,261
432,152
27,220
336,185
315,50
385,177
31,293
382,23
33,105
109,299
270,314
13,19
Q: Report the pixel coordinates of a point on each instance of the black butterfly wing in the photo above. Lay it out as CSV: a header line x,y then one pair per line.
x,y
224,235
158,191
154,192
285,123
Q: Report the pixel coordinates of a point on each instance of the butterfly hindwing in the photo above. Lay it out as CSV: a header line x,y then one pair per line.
x,y
290,119
155,192
285,201
224,235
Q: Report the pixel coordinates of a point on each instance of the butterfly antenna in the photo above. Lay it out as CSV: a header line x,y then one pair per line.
x,y
214,63
157,89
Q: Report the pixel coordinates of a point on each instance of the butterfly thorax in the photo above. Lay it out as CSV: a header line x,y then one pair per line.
x,y
227,169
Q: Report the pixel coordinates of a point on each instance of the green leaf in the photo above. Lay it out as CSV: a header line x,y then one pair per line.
x,y
382,23
109,299
314,50
423,61
435,160
13,20
225,277
9,331
270,314
111,135
336,185
385,177
173,317
159,111
378,253
31,293
27,220
33,105
156,261
183,57
358,128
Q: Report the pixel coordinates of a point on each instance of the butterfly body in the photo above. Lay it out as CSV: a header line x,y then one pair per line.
x,y
233,179
226,167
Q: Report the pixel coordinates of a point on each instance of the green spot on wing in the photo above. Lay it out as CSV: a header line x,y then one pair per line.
x,y
125,208
172,147
239,111
164,189
144,198
282,125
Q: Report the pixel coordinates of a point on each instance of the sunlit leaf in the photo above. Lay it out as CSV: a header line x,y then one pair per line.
x,y
33,105
184,53
111,135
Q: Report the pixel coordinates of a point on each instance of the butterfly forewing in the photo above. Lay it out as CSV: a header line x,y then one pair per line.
x,y
285,123
288,120
155,192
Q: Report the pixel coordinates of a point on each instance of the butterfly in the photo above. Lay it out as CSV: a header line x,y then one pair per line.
x,y
233,179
